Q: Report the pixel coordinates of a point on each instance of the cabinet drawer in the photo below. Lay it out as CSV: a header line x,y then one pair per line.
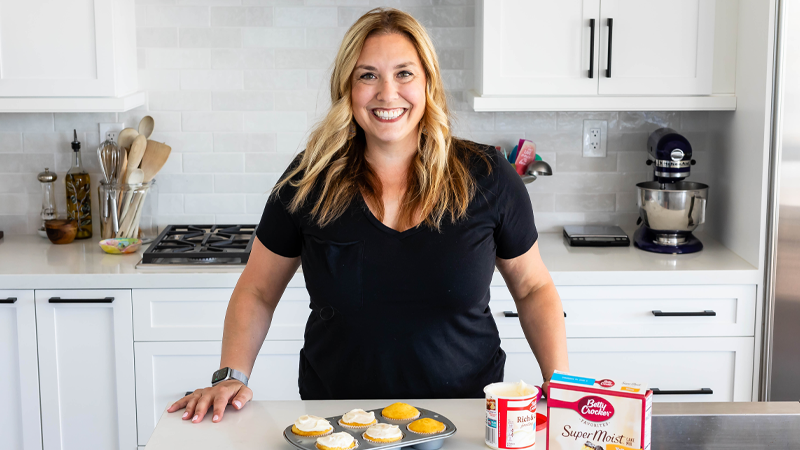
x,y
166,370
722,366
629,311
199,314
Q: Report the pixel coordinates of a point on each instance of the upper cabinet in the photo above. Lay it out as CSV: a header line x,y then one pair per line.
x,y
69,55
604,55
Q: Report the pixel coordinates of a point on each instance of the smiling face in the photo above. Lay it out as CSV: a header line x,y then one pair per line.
x,y
388,90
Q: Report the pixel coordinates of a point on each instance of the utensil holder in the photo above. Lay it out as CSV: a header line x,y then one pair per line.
x,y
128,210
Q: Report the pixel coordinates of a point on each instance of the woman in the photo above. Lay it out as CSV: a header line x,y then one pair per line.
x,y
398,226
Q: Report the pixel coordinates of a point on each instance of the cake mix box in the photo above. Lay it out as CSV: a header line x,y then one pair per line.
x,y
597,414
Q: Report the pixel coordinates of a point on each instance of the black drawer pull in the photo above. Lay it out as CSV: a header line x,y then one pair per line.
x,y
703,391
9,300
610,32
513,314
591,49
659,313
80,300
188,393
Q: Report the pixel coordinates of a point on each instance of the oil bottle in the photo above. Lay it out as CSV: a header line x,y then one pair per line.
x,y
79,204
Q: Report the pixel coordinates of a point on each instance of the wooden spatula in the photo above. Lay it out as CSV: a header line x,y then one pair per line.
x,y
155,156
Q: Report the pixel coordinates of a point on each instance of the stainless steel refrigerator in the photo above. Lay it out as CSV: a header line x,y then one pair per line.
x,y
781,364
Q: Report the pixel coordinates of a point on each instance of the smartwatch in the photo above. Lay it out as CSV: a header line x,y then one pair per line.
x,y
226,373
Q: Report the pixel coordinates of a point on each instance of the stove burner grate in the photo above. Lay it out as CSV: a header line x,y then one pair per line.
x,y
201,244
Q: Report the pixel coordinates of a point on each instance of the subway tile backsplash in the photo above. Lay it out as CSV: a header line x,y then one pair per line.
x,y
235,85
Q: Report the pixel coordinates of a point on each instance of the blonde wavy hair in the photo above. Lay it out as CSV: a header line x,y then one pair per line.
x,y
334,168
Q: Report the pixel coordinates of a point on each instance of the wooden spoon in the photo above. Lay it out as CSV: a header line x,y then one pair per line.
x,y
154,159
137,153
126,137
146,126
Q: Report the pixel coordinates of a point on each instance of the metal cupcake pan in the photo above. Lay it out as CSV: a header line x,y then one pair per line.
x,y
410,439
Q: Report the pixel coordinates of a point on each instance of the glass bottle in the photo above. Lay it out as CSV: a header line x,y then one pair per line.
x,y
79,204
49,210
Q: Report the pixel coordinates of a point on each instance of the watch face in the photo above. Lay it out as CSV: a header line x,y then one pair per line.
x,y
219,375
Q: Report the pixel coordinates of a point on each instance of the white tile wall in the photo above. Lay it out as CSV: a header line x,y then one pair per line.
x,y
234,86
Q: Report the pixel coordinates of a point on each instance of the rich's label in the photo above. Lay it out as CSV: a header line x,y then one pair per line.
x,y
510,423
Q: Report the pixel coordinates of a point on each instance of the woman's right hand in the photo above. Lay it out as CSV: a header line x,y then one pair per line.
x,y
197,403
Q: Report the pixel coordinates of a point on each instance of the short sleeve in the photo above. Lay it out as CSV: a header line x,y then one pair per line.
x,y
516,232
279,230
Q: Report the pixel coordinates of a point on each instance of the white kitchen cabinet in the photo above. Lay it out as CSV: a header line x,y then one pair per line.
x,y
75,55
593,55
707,369
644,311
165,371
199,314
87,384
18,358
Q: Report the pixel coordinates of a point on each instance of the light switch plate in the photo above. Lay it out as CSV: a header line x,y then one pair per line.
x,y
114,128
595,137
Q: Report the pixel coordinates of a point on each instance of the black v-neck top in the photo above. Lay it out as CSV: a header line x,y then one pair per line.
x,y
403,314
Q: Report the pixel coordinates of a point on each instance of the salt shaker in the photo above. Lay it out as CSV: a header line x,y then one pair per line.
x,y
49,210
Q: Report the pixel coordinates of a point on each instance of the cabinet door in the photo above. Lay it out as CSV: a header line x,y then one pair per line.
x,y
538,47
18,359
657,47
722,366
165,371
56,48
86,368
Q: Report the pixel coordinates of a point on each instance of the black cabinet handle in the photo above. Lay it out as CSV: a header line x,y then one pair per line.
x,y
513,314
610,32
703,391
9,300
591,49
659,313
80,300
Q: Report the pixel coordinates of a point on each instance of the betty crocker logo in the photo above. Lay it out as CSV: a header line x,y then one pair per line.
x,y
595,409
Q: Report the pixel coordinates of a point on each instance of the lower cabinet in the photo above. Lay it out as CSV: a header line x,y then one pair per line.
x,y
19,415
682,369
165,371
85,343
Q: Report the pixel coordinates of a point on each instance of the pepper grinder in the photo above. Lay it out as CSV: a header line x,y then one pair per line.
x,y
49,210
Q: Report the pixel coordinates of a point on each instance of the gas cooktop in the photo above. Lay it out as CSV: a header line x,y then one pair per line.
x,y
201,245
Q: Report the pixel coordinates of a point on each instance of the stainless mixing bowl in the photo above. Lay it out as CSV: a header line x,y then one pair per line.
x,y
672,208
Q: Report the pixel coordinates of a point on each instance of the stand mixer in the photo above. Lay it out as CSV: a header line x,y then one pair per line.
x,y
669,207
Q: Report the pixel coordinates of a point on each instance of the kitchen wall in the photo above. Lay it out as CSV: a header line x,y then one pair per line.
x,y
234,86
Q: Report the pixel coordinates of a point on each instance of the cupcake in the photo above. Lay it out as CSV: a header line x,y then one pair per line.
x,y
383,433
337,441
400,411
311,426
358,418
426,426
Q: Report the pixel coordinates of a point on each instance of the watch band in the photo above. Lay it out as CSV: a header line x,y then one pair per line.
x,y
228,374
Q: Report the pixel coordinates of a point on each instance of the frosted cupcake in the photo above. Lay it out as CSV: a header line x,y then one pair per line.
x,y
383,433
358,418
400,411
311,426
426,426
337,441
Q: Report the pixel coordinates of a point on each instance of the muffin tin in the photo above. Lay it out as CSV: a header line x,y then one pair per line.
x,y
410,439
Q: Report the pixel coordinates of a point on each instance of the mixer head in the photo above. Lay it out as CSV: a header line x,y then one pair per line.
x,y
670,155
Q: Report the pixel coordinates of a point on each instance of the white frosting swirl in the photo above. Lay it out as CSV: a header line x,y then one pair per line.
x,y
312,423
342,439
384,431
359,416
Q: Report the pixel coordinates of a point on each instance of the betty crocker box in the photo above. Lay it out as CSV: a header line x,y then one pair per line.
x,y
597,414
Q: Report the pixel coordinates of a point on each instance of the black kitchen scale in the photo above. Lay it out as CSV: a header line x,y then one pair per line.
x,y
595,236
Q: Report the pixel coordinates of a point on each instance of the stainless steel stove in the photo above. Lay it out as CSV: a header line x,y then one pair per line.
x,y
200,245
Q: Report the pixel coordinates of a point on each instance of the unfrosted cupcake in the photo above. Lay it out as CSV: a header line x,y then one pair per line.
x,y
337,441
426,426
383,433
358,418
311,426
400,411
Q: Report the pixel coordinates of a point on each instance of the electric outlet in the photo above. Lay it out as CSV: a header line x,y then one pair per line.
x,y
113,128
595,136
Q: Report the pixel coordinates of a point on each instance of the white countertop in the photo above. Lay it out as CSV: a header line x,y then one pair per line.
x,y
32,262
259,425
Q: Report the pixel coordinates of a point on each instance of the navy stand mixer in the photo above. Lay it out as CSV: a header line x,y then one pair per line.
x,y
669,207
